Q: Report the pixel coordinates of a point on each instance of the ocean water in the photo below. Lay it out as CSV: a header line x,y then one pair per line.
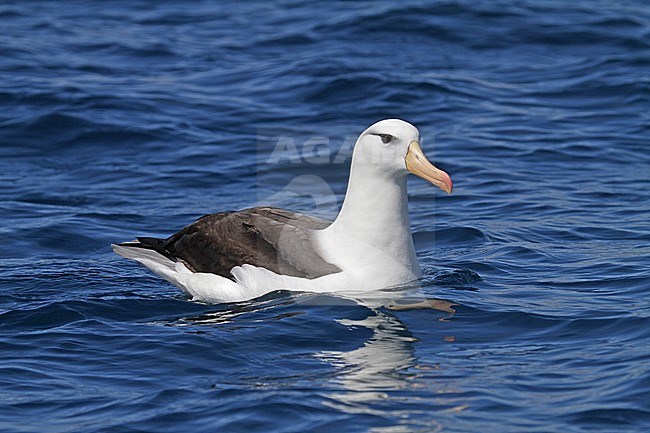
x,y
135,118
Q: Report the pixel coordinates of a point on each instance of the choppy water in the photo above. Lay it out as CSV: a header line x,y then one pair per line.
x,y
124,118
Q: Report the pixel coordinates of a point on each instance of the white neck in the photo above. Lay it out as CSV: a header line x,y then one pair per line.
x,y
374,219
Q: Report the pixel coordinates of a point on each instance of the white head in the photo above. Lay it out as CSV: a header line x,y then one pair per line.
x,y
392,146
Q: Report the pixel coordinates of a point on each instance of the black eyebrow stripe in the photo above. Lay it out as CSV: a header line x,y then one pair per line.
x,y
385,138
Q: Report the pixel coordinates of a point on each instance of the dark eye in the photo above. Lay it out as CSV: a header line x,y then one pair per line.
x,y
385,138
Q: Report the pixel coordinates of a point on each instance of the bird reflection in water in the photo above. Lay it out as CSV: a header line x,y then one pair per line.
x,y
373,377
384,369
382,361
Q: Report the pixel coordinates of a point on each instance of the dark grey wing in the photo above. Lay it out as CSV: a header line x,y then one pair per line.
x,y
294,219
263,236
292,235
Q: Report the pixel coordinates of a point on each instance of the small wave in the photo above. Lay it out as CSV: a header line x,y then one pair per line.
x,y
56,131
619,419
457,277
289,40
10,13
45,317
452,235
345,88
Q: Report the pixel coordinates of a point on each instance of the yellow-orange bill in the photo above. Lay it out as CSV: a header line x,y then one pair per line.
x,y
419,165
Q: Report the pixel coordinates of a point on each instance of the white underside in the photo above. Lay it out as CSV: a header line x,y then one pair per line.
x,y
252,281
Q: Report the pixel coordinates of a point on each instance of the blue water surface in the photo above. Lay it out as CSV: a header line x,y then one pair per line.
x,y
135,118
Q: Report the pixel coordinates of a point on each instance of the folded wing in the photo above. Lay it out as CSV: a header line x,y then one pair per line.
x,y
272,238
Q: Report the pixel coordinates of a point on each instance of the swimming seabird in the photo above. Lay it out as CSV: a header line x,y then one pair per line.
x,y
240,255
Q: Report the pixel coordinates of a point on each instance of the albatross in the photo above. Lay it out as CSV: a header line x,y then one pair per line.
x,y
240,255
